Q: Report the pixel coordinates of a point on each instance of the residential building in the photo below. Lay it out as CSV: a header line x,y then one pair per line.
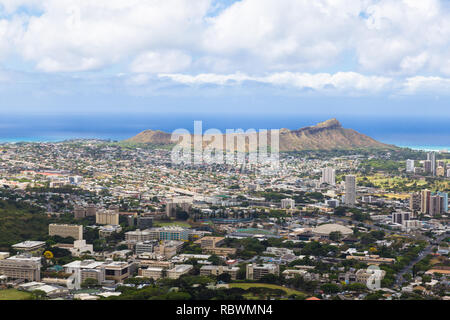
x,y
409,165
107,217
328,176
425,198
414,202
66,230
350,190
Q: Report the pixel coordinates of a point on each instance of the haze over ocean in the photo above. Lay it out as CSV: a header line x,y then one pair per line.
x,y
415,132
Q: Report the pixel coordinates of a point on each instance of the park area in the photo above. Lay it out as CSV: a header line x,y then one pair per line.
x,y
13,294
257,290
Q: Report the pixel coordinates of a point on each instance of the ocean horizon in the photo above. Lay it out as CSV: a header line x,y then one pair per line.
x,y
429,134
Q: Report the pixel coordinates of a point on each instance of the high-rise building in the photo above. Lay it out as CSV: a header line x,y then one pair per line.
x,y
435,205
425,197
444,197
431,156
409,165
440,171
350,190
81,212
414,202
427,166
328,176
448,173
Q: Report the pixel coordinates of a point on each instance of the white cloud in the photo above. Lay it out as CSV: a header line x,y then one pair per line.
x,y
421,84
154,62
341,81
296,43
85,35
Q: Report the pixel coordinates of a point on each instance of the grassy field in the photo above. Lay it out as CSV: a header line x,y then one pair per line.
x,y
172,224
246,286
13,294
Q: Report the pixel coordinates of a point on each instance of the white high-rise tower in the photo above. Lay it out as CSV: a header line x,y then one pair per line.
x,y
328,176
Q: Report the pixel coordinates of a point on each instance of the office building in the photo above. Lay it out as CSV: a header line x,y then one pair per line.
x,y
257,271
179,270
350,190
22,267
66,230
29,246
328,176
118,270
171,233
155,273
210,270
169,249
145,246
139,236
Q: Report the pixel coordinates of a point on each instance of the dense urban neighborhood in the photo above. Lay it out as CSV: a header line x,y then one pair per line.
x,y
95,220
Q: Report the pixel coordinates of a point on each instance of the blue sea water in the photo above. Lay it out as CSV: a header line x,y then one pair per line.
x,y
427,133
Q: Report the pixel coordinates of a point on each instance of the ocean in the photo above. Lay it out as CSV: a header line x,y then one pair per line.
x,y
426,133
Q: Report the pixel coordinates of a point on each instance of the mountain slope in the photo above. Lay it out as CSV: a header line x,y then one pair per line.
x,y
327,135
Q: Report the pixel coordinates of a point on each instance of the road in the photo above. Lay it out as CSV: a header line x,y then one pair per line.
x,y
399,280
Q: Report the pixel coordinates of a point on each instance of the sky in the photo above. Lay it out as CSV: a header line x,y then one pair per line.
x,y
364,57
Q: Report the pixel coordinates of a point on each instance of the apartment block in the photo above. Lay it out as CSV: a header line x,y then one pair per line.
x,y
107,217
66,230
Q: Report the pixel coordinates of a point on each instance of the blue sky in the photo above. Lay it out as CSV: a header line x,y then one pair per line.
x,y
366,57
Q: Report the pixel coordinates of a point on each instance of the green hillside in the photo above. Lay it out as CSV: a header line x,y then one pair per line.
x,y
20,221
